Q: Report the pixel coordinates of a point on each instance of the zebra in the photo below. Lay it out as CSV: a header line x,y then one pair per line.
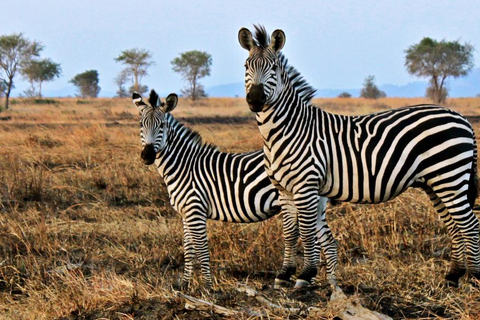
x,y
204,183
361,159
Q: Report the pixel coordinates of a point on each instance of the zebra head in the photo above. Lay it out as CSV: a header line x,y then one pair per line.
x,y
263,81
153,126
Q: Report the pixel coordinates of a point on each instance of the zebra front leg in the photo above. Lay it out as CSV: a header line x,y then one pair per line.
x,y
189,256
307,206
197,225
328,244
290,235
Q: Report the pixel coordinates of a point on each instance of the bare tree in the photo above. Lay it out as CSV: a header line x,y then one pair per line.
x,y
370,89
120,81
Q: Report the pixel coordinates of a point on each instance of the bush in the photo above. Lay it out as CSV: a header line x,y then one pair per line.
x,y
344,94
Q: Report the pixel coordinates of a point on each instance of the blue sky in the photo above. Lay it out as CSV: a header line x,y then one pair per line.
x,y
334,44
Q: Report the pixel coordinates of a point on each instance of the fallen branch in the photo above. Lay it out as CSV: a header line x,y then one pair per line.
x,y
202,305
350,308
260,298
340,306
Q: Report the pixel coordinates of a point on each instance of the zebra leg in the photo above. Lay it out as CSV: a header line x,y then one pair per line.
x,y
197,226
189,255
473,246
328,244
457,267
307,206
468,226
290,235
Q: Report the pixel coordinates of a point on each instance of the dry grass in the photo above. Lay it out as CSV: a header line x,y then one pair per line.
x,y
86,231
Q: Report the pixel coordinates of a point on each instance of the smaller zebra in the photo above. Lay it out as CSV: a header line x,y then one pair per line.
x,y
204,183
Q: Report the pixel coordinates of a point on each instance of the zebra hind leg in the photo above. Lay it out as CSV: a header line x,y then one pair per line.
x,y
290,234
462,226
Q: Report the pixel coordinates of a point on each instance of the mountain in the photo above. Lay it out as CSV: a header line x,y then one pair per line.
x,y
468,86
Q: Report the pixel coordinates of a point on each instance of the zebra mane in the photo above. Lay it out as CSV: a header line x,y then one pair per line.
x,y
304,90
261,37
191,135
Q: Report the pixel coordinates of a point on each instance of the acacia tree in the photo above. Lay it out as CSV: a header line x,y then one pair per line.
x,y
370,89
137,62
15,51
87,83
438,60
39,71
193,65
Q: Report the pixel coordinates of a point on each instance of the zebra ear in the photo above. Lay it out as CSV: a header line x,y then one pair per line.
x,y
278,40
171,103
138,101
245,39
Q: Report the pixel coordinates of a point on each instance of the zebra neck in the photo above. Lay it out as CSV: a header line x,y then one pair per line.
x,y
183,146
280,119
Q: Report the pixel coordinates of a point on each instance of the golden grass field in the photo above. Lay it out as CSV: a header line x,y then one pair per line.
x,y
86,230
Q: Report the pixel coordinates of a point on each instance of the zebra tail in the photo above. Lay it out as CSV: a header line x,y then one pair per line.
x,y
473,188
473,185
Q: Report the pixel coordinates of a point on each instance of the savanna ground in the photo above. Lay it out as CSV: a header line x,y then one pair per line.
x,y
86,230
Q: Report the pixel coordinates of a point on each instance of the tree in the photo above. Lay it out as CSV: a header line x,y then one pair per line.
x,y
193,65
15,51
120,80
39,71
137,62
438,61
87,83
370,89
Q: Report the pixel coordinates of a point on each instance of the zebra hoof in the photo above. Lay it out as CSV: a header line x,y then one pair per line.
x,y
451,283
280,283
452,279
301,284
180,285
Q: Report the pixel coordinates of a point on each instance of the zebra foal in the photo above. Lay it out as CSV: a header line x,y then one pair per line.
x,y
362,159
204,183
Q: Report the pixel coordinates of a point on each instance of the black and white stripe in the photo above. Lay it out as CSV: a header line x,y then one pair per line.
x,y
362,159
204,183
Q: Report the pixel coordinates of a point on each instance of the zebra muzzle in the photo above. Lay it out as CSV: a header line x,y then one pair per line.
x,y
148,154
256,97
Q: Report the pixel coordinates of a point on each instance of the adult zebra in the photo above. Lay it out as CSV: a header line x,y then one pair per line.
x,y
204,183
362,159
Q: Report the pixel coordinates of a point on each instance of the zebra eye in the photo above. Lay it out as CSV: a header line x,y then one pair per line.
x,y
274,67
246,66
